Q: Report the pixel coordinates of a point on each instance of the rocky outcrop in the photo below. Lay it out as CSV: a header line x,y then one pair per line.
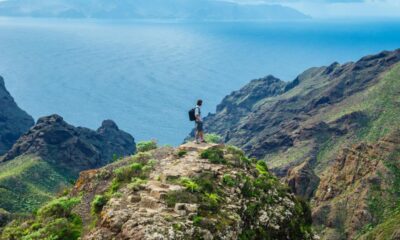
x,y
358,189
193,192
13,121
73,148
302,180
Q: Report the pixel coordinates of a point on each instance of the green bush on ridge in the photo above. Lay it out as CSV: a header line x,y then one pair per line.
x,y
146,146
212,138
54,221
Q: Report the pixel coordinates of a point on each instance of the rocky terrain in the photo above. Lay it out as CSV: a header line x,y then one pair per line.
x,y
48,157
360,189
72,148
194,192
13,121
311,130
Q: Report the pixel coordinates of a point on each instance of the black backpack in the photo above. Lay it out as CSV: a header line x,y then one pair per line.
x,y
192,114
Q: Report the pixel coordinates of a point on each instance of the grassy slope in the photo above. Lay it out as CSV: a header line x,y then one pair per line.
x,y
27,182
381,103
389,229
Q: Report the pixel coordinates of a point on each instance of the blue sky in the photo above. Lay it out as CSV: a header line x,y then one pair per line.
x,y
338,8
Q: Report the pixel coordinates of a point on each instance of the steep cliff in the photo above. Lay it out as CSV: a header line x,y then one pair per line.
x,y
305,129
360,190
194,192
50,155
13,121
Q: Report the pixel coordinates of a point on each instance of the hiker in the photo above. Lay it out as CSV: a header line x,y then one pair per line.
x,y
195,115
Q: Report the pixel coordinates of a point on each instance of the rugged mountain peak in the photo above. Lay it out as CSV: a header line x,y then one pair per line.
x,y
48,120
202,191
252,92
108,124
72,148
13,121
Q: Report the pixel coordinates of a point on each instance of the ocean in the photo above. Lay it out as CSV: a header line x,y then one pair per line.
x,y
147,75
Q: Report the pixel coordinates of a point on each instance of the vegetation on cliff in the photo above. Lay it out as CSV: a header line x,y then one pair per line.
x,y
46,159
161,194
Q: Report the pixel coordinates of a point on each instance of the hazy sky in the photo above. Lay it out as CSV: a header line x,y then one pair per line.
x,y
339,8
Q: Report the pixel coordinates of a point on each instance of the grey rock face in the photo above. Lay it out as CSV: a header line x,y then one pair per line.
x,y
13,121
73,148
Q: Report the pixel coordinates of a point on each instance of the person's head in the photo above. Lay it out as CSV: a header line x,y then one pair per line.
x,y
199,102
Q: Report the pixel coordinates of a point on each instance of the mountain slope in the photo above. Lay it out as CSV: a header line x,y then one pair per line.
x,y
305,128
13,121
50,155
27,182
194,192
146,9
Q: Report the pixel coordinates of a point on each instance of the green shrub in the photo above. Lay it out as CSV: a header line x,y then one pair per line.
x,y
126,173
206,181
228,180
146,146
54,221
214,155
123,173
262,168
210,202
212,138
181,153
197,220
115,184
60,207
136,184
142,157
98,203
248,189
189,184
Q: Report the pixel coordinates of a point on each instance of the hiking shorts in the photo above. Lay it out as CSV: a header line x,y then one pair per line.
x,y
199,126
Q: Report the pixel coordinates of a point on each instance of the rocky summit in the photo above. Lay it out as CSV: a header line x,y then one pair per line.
x,y
329,135
73,148
13,121
203,191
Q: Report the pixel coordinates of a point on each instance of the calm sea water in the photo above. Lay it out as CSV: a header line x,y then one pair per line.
x,y
146,76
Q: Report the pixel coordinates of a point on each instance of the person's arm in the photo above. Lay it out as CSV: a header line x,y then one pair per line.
x,y
197,114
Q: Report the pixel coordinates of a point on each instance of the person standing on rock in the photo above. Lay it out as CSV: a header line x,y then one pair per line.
x,y
199,136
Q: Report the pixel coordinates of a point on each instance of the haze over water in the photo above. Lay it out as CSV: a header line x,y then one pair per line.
x,y
147,75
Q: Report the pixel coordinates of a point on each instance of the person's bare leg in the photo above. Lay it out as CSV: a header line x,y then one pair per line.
x,y
196,137
201,136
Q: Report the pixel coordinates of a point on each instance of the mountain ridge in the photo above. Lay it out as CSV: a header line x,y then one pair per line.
x,y
303,133
145,9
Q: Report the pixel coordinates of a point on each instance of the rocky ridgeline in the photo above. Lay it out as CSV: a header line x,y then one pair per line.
x,y
315,133
72,149
193,192
13,121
